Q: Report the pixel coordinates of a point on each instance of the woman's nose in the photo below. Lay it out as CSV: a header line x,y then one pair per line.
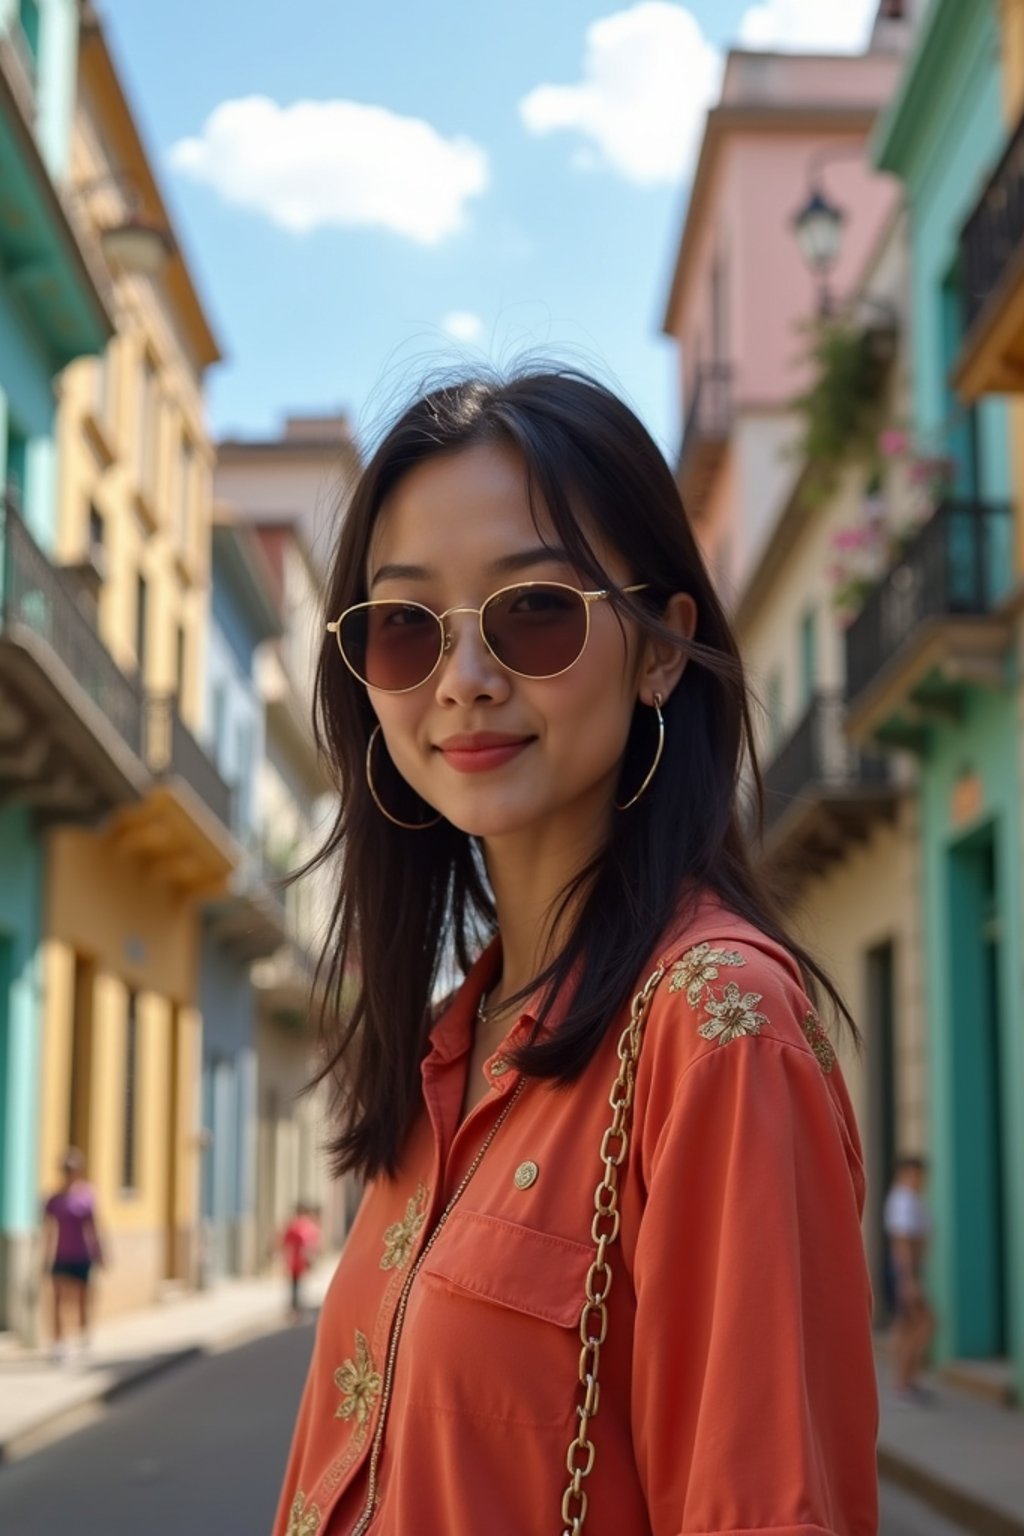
x,y
466,661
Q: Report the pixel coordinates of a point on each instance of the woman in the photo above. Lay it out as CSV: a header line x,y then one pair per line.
x,y
537,716
71,1246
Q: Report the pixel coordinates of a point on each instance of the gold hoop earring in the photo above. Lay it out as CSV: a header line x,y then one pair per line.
x,y
652,770
410,826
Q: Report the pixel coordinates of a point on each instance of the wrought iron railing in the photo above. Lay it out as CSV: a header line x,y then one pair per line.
x,y
709,416
37,597
172,749
959,564
818,757
994,233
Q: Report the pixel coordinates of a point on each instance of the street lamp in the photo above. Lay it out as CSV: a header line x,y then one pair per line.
x,y
137,243
819,229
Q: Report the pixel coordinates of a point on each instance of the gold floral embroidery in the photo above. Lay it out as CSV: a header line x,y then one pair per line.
x,y
303,1521
819,1041
699,968
400,1236
731,1015
358,1383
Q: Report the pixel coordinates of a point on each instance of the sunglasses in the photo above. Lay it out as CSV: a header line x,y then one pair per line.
x,y
538,629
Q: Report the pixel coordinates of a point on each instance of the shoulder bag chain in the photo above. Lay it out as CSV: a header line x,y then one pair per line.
x,y
604,1229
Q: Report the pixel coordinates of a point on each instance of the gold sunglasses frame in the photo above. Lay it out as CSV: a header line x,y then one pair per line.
x,y
334,627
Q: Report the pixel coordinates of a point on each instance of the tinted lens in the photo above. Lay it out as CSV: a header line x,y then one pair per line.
x,y
391,646
538,629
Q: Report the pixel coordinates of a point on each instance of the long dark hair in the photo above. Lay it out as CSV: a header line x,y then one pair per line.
x,y
411,904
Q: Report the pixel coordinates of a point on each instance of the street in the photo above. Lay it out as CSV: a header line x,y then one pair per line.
x,y
202,1449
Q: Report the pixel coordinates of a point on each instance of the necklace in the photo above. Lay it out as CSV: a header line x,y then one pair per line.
x,y
485,1015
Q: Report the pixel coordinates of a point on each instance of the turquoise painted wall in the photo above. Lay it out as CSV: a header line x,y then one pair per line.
x,y
958,148
985,743
56,56
20,1012
26,399
945,155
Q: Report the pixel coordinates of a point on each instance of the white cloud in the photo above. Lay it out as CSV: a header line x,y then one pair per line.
x,y
648,76
808,26
318,164
463,325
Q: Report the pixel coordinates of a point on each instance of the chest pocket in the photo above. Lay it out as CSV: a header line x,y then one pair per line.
x,y
497,1317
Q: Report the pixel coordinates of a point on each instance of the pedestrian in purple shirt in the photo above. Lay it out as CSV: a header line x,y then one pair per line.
x,y
71,1246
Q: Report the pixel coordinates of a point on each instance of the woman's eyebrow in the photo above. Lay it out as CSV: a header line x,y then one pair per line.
x,y
521,560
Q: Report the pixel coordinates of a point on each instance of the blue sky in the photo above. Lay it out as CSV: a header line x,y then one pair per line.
x,y
354,183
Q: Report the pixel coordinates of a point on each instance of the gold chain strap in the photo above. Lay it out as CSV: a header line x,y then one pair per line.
x,y
604,1229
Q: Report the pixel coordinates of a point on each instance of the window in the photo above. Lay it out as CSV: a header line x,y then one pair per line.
x,y
28,16
180,656
129,1172
141,622
17,467
773,704
808,656
106,385
80,1095
185,477
148,426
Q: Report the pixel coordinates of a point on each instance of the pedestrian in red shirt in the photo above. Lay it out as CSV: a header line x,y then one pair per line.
x,y
608,1270
300,1245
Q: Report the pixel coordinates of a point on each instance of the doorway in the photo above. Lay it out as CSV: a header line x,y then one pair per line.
x,y
976,938
881,1149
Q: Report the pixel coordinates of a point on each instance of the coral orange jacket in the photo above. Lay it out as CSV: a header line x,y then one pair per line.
x,y
737,1388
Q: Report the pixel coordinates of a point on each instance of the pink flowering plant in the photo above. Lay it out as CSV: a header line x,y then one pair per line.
x,y
863,551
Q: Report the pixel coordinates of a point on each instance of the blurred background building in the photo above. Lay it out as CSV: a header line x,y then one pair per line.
x,y
848,299
155,671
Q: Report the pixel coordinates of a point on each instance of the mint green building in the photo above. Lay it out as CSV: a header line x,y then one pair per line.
x,y
51,311
932,668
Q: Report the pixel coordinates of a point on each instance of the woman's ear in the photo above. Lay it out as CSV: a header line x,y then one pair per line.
x,y
663,663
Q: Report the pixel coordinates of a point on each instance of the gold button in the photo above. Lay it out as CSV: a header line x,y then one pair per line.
x,y
499,1066
525,1175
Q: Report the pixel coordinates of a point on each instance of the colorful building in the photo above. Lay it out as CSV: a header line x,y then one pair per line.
x,y
291,491
934,657
126,891
63,755
839,832
248,922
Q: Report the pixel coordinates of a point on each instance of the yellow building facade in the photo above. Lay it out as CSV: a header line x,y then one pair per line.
x,y
841,822
123,898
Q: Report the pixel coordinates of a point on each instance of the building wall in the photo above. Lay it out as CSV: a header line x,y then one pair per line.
x,y
135,936
26,407
868,900
970,775
229,1110
984,748
20,990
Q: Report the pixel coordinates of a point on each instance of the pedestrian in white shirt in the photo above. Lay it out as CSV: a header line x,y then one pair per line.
x,y
908,1228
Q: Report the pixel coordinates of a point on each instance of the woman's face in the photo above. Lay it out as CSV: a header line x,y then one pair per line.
x,y
497,754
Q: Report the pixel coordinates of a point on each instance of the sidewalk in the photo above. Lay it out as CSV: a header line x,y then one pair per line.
x,y
40,1401
963,1456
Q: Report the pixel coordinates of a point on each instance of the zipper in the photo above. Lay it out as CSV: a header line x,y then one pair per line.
x,y
369,1507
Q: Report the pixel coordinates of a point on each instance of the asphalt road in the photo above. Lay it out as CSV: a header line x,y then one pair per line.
x,y
200,1452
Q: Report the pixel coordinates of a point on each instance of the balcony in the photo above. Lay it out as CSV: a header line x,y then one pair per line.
x,y
936,625
70,721
181,832
705,434
821,793
251,920
992,262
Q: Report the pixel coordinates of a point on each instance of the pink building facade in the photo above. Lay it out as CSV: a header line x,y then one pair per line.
x,y
742,296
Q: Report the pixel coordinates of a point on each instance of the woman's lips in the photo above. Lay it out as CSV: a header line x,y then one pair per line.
x,y
482,752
